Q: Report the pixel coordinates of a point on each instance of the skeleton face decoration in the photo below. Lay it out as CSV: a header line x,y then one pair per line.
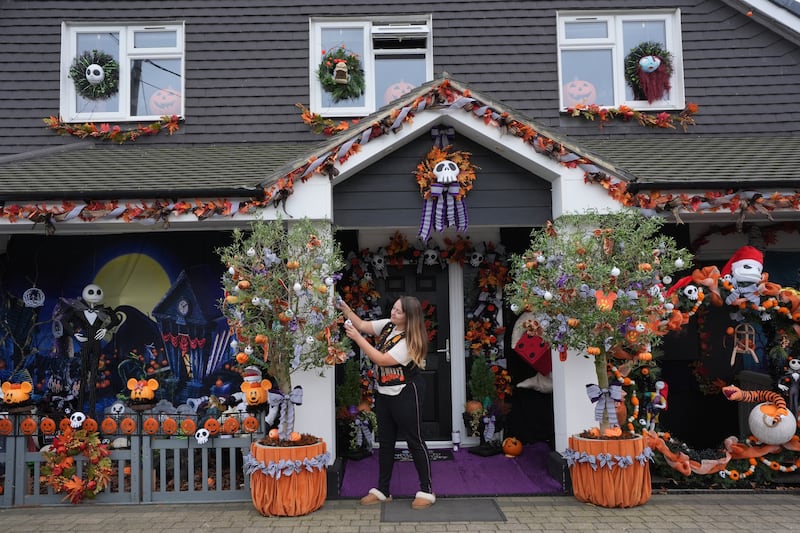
x,y
691,292
95,74
92,294
446,171
378,262
201,435
77,419
476,259
430,257
116,409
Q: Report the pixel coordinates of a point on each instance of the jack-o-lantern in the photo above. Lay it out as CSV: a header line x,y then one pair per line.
x,y
165,102
579,92
512,447
396,90
108,426
90,425
256,393
230,426
127,425
188,426
47,425
142,391
169,426
250,424
6,427
64,424
150,426
28,426
213,426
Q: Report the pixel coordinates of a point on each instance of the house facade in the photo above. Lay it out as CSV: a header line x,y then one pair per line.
x,y
203,117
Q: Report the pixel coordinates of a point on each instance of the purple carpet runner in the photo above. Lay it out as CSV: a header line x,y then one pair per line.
x,y
466,475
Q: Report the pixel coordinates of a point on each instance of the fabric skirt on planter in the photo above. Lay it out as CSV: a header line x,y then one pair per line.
x,y
288,480
610,473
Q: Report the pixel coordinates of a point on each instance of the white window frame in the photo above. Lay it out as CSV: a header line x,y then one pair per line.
x,y
69,34
413,24
674,44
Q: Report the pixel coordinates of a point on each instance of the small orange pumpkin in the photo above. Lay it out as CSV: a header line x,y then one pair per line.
x,y
243,284
242,358
150,426
250,424
90,425
28,426
213,426
127,425
47,425
169,426
473,406
295,436
512,447
6,427
188,427
108,426
230,426
64,425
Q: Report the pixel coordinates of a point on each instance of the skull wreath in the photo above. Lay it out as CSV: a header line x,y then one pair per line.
x,y
444,179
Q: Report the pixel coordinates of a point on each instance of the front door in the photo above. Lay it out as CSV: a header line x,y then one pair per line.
x,y
431,287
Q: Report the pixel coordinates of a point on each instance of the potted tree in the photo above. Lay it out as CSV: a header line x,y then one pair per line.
x,y
595,284
278,300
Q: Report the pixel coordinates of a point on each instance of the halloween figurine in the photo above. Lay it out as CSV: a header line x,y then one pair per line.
x,y
658,403
88,322
789,384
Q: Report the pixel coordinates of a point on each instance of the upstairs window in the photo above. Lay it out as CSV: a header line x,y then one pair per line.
x,y
598,54
395,56
118,73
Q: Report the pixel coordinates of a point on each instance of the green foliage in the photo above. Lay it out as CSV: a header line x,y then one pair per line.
x,y
279,285
349,392
481,381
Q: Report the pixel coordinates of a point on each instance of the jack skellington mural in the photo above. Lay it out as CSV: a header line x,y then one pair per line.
x,y
88,321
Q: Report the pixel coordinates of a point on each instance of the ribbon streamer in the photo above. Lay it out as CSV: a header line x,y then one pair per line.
x,y
605,401
285,467
443,209
443,137
488,431
284,403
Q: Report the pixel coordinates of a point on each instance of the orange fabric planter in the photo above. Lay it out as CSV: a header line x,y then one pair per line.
x,y
300,493
614,487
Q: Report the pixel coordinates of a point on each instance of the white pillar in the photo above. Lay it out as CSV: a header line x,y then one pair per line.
x,y
317,415
572,408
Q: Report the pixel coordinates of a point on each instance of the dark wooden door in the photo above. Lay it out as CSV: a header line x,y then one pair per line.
x,y
431,287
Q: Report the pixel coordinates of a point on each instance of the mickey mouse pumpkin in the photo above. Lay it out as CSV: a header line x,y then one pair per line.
x,y
142,391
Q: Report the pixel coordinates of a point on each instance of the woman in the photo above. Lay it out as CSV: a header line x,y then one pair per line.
x,y
399,355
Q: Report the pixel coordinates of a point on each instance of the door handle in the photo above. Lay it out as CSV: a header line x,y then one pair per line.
x,y
445,350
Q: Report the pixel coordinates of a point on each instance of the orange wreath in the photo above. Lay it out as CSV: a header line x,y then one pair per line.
x,y
426,177
60,470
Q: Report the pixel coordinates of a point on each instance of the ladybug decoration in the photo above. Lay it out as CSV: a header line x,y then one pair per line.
x,y
579,92
512,447
396,90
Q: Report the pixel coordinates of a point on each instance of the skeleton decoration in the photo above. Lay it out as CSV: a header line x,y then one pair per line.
x,y
476,259
201,435
444,206
378,263
77,419
95,74
430,257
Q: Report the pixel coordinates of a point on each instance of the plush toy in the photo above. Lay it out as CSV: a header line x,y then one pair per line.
x,y
770,421
742,278
256,393
658,403
16,394
142,391
789,384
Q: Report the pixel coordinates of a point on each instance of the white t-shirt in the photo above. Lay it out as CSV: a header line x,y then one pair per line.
x,y
399,353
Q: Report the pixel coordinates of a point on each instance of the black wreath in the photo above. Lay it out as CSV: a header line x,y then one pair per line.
x,y
103,90
355,83
648,48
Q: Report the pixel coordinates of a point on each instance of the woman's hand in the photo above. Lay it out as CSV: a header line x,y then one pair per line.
x,y
351,330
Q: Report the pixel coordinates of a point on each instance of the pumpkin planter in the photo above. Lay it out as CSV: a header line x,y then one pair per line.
x,y
288,480
603,479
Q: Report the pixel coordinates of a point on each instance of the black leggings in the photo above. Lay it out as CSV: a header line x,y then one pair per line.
x,y
402,413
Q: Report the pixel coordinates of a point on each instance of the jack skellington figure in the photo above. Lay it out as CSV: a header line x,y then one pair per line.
x,y
89,321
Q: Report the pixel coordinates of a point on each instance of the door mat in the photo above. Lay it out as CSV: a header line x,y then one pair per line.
x,y
444,510
435,455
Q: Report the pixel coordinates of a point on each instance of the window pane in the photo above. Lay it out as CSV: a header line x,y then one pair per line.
x,y
587,77
107,43
586,30
353,40
155,87
155,39
396,76
636,32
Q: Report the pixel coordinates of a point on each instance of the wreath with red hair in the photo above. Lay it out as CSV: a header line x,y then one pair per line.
x,y
648,68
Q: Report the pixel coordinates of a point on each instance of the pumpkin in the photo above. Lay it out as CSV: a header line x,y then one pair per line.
x,y
169,426
230,426
213,426
64,424
243,284
295,436
6,427
579,92
108,426
188,426
165,102
473,406
250,424
90,425
396,90
47,425
260,339
127,425
274,434
150,426
242,358
512,447
28,426
766,429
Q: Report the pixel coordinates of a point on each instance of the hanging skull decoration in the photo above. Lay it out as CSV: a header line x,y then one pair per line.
x,y
691,292
379,264
95,74
201,435
476,259
430,257
446,171
77,419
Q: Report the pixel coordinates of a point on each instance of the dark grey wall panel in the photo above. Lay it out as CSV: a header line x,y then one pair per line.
x,y
386,194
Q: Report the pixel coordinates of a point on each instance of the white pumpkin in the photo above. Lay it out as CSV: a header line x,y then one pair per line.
x,y
766,429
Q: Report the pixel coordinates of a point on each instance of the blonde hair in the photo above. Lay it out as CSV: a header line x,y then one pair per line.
x,y
416,335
